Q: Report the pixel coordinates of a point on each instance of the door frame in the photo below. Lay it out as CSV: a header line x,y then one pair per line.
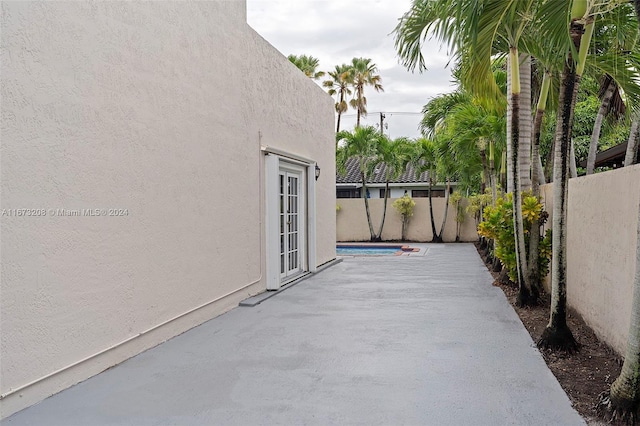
x,y
275,160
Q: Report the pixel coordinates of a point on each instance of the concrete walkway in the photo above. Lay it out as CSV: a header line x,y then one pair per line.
x,y
374,341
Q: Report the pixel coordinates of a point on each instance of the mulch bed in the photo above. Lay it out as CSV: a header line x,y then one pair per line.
x,y
583,375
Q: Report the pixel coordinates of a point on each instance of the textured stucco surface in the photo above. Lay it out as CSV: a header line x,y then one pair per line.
x,y
601,243
155,108
601,250
421,340
352,221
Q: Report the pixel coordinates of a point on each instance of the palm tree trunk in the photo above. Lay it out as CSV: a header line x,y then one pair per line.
x,y
434,238
524,107
503,171
624,396
595,135
492,175
446,211
557,333
632,143
384,209
524,290
366,207
573,166
536,172
485,171
548,168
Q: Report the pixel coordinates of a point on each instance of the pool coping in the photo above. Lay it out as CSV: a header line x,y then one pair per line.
x,y
404,249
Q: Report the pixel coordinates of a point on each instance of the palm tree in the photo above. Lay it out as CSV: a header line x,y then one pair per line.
x,y
632,143
478,30
610,89
424,159
557,333
307,64
361,144
616,34
393,155
363,73
339,86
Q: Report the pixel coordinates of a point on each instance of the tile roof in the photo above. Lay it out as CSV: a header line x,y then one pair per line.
x,y
352,174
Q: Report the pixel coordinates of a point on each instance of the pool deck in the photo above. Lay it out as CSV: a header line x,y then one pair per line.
x,y
386,340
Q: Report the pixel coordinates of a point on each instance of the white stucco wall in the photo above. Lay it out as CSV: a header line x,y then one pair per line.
x,y
601,243
155,108
601,250
352,221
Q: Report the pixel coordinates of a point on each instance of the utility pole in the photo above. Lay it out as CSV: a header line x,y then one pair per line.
x,y
382,117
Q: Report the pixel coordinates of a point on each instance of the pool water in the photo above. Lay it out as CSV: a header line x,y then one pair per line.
x,y
368,250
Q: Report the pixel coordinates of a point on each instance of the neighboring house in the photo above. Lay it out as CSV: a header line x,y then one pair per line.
x,y
152,153
349,183
612,157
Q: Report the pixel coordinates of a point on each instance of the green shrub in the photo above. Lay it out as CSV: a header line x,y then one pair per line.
x,y
498,225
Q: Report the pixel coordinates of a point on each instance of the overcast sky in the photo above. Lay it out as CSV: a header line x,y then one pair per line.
x,y
334,31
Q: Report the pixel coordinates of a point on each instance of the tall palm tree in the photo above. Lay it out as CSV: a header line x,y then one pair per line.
x,y
393,155
479,29
307,64
361,144
340,86
610,89
557,333
363,73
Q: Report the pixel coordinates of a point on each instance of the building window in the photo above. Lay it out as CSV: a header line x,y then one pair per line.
x,y
419,193
348,193
382,193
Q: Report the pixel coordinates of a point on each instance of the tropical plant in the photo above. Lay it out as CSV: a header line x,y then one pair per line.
x,y
363,73
393,155
476,31
360,144
456,200
307,64
425,159
498,226
340,86
404,205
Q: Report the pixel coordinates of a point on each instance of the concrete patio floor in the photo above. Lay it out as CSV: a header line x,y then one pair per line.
x,y
373,340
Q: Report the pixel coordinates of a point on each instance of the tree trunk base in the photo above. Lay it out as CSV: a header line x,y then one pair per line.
x,y
561,339
376,239
497,265
504,278
527,297
617,410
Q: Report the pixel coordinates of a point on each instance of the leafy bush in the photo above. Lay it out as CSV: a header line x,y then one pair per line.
x,y
498,225
404,205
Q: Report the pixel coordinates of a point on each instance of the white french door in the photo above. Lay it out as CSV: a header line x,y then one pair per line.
x,y
291,221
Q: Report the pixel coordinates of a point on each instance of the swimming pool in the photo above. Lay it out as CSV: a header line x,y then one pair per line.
x,y
372,250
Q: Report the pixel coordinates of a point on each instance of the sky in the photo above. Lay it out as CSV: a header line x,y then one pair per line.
x,y
335,31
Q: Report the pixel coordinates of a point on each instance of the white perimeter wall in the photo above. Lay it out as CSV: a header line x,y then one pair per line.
x,y
601,247
156,108
352,221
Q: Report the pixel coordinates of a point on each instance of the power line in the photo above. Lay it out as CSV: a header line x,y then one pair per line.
x,y
385,112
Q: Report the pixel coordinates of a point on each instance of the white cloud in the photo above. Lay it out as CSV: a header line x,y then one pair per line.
x,y
335,31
